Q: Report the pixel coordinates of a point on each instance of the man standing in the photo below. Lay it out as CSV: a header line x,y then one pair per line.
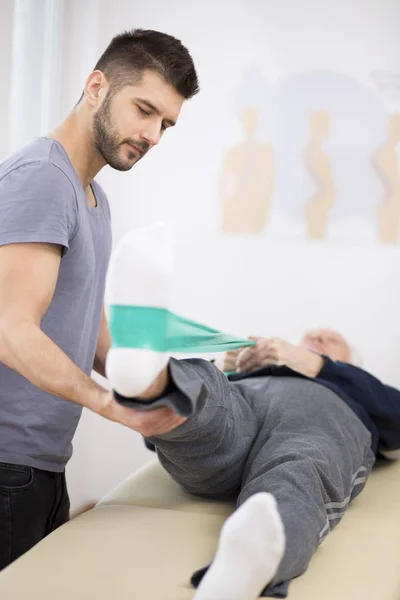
x,y
54,250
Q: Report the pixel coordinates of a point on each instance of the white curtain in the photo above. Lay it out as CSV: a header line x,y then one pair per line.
x,y
36,61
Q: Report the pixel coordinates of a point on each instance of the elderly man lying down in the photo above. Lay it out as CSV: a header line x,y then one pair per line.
x,y
293,442
273,352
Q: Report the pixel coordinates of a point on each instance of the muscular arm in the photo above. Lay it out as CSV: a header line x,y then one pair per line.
x,y
28,276
103,346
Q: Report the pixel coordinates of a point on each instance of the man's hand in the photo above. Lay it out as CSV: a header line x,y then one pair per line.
x,y
274,351
154,422
266,352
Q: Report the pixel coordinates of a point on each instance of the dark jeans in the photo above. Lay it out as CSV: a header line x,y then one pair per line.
x,y
32,504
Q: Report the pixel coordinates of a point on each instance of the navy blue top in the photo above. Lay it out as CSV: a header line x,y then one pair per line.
x,y
376,404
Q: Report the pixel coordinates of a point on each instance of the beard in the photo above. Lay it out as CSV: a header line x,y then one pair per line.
x,y
108,143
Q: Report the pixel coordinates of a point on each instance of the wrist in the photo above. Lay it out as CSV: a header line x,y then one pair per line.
x,y
306,362
314,364
99,400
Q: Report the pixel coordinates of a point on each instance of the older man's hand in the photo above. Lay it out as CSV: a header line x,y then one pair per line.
x,y
266,352
226,362
275,351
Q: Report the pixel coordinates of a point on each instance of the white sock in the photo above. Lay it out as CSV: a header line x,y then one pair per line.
x,y
250,548
139,275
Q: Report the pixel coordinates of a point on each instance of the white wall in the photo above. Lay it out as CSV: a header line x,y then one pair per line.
x,y
276,283
6,23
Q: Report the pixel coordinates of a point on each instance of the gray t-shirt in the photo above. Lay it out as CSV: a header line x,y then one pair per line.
x,y
42,200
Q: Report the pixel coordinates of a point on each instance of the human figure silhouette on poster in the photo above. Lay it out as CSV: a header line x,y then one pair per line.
x,y
317,209
386,162
246,183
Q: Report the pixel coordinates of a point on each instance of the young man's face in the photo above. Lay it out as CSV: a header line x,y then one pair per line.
x,y
128,124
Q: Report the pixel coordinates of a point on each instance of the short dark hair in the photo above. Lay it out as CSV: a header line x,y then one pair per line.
x,y
131,53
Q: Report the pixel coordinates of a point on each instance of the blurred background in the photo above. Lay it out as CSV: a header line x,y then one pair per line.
x,y
281,181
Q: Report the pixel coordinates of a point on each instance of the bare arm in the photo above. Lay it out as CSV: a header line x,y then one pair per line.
x,y
28,276
103,346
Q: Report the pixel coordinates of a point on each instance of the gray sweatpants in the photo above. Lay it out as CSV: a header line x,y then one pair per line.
x,y
288,436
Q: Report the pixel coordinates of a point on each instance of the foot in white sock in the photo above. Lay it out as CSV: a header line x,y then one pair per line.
x,y
250,548
139,276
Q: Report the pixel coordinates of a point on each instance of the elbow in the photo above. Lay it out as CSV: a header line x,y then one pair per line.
x,y
12,329
5,337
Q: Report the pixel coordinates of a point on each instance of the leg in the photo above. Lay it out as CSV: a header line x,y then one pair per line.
x,y
312,454
314,457
60,513
28,509
217,441
217,436
250,549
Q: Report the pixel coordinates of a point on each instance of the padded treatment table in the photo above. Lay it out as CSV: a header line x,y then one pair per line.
x,y
144,539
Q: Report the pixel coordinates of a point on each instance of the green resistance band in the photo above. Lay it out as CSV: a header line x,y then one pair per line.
x,y
163,331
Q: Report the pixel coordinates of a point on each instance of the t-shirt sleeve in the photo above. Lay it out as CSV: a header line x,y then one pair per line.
x,y
37,204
